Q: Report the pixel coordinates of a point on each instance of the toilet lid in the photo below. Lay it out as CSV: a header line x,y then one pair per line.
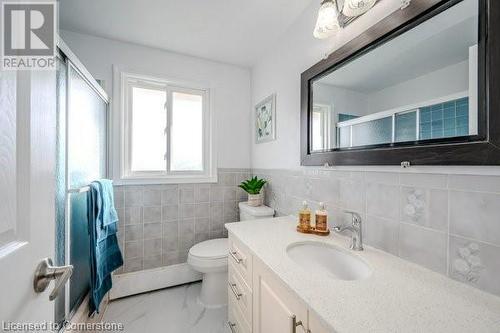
x,y
211,249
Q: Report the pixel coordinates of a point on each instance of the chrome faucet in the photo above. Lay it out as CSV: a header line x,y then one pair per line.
x,y
356,232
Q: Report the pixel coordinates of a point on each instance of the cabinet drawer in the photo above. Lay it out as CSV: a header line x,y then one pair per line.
x,y
236,322
241,257
239,292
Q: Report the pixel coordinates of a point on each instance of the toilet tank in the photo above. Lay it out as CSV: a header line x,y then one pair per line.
x,y
253,213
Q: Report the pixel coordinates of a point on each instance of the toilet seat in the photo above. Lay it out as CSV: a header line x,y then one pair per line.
x,y
209,256
210,249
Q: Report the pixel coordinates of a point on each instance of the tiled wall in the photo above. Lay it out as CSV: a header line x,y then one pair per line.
x,y
447,223
159,223
445,119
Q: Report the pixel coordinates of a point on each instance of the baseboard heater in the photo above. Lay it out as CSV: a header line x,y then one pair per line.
x,y
128,284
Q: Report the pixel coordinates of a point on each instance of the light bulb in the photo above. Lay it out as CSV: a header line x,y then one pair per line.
x,y
327,23
357,7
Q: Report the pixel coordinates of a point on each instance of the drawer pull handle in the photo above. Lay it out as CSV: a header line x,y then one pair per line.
x,y
235,291
296,324
231,326
235,257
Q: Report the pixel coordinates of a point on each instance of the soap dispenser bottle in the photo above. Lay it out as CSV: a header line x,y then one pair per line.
x,y
321,219
304,218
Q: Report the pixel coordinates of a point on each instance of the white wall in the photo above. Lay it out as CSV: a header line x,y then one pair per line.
x,y
279,71
341,100
443,82
230,85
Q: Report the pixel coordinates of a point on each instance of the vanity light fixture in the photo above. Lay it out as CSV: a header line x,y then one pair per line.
x,y
327,23
354,8
336,14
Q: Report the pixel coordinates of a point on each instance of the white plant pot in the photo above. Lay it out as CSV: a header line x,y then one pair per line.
x,y
256,200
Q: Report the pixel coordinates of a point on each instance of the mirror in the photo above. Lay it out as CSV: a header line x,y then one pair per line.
x,y
421,86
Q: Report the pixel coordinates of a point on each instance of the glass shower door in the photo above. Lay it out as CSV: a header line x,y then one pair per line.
x,y
86,162
60,173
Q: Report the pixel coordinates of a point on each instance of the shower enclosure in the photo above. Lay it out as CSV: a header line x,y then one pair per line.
x,y
82,145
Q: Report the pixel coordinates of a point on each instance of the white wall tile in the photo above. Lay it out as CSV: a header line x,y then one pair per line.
x,y
423,246
391,178
475,215
475,263
425,207
151,214
475,183
382,200
152,198
382,234
352,195
424,180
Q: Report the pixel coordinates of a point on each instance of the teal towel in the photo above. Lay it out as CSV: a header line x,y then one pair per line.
x,y
105,255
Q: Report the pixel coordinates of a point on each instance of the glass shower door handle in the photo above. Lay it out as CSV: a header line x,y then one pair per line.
x,y
46,272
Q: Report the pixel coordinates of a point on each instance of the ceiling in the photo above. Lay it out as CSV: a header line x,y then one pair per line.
x,y
230,31
442,41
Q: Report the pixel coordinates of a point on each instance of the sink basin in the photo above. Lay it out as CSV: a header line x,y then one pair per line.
x,y
328,259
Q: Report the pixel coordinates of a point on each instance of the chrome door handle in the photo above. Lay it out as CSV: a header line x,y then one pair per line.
x,y
46,272
236,293
233,254
296,324
231,326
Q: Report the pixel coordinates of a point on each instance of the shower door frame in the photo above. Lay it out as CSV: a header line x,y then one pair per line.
x,y
74,64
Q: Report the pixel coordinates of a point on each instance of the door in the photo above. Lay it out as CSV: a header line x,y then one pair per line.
x,y
27,161
275,308
85,161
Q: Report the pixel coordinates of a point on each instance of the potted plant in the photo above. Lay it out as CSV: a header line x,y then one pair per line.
x,y
253,187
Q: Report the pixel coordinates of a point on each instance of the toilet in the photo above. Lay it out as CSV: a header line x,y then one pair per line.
x,y
210,258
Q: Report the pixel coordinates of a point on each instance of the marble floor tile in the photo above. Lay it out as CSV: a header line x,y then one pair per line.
x,y
171,310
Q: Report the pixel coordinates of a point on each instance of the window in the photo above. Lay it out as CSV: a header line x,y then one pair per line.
x,y
166,132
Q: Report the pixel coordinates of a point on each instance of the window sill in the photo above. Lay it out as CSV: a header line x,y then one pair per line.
x,y
181,179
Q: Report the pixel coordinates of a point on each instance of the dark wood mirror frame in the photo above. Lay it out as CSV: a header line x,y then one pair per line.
x,y
481,149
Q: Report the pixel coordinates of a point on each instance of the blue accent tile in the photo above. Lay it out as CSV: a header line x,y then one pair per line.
x,y
449,113
449,105
462,111
462,121
449,124
462,101
462,131
437,134
425,135
447,119
425,117
437,124
344,117
436,107
437,115
425,127
449,132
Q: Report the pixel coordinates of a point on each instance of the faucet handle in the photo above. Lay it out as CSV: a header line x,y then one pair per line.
x,y
356,218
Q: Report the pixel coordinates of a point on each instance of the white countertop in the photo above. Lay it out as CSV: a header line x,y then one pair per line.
x,y
398,297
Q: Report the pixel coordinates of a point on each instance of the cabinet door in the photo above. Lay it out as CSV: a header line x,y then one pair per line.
x,y
275,307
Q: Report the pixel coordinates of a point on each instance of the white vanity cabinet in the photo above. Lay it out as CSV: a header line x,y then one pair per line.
x,y
275,308
260,302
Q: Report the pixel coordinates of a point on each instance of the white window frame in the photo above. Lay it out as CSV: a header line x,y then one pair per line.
x,y
122,124
325,112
